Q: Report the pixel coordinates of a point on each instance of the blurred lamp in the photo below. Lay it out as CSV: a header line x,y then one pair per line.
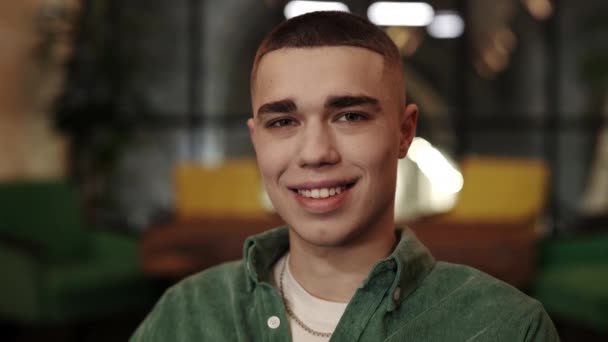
x,y
435,166
446,25
384,13
296,8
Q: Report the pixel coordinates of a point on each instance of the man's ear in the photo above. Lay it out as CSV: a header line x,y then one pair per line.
x,y
407,127
251,126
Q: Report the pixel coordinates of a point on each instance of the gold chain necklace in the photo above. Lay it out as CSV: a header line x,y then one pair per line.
x,y
292,314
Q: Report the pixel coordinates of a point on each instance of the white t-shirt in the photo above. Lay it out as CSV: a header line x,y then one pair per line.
x,y
318,314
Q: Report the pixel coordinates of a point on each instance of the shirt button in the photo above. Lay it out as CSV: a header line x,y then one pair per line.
x,y
397,294
273,322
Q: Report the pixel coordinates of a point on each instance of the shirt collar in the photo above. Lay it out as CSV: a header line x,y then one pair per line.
x,y
400,273
261,251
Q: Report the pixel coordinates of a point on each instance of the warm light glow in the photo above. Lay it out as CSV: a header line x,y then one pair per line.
x,y
296,8
504,40
539,9
495,59
400,13
442,175
407,39
483,70
445,25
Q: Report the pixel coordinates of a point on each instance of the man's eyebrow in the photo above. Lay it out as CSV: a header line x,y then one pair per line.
x,y
349,101
281,106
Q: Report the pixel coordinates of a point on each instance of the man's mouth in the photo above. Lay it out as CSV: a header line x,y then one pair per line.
x,y
322,192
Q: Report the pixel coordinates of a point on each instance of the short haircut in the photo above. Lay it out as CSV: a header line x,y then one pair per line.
x,y
330,28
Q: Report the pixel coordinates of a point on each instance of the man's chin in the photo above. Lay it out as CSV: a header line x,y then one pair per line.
x,y
325,235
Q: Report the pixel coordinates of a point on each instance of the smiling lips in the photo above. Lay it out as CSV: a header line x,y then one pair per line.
x,y
322,192
322,197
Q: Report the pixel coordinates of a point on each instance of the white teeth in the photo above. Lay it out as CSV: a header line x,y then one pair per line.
x,y
322,192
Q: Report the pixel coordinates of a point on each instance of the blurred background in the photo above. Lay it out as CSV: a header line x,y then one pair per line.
x,y
126,164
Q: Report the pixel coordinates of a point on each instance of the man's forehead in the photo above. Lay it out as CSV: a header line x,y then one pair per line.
x,y
286,62
349,69
330,69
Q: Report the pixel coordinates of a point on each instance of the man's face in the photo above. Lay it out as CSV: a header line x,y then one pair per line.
x,y
328,131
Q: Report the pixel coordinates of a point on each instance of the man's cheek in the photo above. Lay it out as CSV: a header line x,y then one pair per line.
x,y
372,151
271,162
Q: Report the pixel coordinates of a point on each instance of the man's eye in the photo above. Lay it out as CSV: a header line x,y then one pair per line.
x,y
351,116
282,122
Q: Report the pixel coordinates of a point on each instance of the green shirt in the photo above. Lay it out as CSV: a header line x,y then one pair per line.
x,y
406,297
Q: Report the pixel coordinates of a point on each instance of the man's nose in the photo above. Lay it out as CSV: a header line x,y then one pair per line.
x,y
317,146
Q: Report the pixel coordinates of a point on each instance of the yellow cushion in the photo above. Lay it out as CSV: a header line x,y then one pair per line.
x,y
501,189
232,188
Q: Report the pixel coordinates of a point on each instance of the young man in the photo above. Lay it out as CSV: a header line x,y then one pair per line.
x,y
329,124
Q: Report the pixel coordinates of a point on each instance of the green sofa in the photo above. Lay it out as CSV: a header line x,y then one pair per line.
x,y
573,280
56,270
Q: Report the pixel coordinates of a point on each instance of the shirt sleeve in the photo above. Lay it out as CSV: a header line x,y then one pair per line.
x,y
161,323
541,328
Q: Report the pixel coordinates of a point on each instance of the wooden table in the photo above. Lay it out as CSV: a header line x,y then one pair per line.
x,y
175,250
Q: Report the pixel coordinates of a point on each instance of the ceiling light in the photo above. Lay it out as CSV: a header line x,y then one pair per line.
x,y
445,25
296,8
400,13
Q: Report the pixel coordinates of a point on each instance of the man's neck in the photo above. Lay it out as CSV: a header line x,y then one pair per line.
x,y
335,273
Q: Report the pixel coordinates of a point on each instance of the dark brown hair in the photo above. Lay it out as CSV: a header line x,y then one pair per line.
x,y
318,29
